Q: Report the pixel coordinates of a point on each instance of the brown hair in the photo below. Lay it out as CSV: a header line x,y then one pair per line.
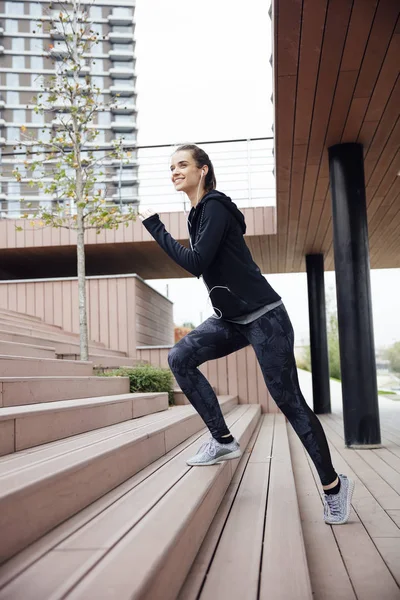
x,y
202,159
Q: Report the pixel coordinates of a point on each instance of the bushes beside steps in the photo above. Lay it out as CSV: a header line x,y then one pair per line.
x,y
146,378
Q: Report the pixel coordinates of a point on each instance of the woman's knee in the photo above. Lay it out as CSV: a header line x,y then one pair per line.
x,y
178,357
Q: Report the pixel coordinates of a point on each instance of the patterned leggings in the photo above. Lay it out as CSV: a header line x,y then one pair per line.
x,y
272,339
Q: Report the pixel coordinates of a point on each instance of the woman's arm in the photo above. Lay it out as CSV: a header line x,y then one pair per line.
x,y
214,224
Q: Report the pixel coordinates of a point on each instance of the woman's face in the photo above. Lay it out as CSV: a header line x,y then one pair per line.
x,y
185,174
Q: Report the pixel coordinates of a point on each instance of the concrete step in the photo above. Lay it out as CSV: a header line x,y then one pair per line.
x,y
180,398
15,349
20,315
61,346
59,335
103,362
24,427
55,481
18,366
18,391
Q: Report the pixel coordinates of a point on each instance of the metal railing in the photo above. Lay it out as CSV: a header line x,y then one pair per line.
x,y
244,170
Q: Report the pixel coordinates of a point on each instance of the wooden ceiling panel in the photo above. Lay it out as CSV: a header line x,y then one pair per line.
x,y
346,87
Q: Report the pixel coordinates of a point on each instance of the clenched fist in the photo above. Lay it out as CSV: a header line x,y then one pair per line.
x,y
148,212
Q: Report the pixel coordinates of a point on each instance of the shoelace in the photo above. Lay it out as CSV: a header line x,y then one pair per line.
x,y
210,447
332,504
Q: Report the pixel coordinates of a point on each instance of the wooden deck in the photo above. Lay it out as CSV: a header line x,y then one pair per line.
x,y
253,548
146,538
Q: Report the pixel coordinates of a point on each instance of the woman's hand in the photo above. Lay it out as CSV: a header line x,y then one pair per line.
x,y
148,212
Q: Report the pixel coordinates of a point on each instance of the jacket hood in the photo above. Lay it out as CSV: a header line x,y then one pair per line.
x,y
226,201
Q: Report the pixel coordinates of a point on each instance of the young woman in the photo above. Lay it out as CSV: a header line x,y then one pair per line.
x,y
247,311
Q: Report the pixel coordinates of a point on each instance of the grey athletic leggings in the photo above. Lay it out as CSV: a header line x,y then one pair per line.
x,y
272,339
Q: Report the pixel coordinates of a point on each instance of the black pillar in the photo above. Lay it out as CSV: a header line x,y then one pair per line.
x,y
318,338
353,289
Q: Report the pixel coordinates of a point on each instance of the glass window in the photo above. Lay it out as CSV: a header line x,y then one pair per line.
x,y
101,137
122,118
98,82
97,66
12,80
122,12
123,83
18,44
123,64
104,118
123,47
96,12
97,49
14,8
35,9
13,134
122,29
18,62
37,63
11,25
37,45
37,117
19,116
12,97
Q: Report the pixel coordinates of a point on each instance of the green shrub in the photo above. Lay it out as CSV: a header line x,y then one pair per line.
x,y
146,379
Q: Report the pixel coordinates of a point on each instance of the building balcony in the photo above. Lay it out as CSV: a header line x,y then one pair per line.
x,y
85,70
121,55
126,179
118,73
120,38
125,91
123,109
60,52
56,34
125,199
120,20
123,126
2,104
2,123
1,31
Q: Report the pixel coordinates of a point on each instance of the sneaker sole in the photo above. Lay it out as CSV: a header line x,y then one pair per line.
x,y
230,456
349,498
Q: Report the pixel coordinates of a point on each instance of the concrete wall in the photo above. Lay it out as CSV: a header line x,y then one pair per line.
x,y
123,311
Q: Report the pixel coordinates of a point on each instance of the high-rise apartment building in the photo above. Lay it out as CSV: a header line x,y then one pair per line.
x,y
28,54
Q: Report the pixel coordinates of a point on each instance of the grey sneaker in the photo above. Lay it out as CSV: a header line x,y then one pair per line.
x,y
212,452
337,506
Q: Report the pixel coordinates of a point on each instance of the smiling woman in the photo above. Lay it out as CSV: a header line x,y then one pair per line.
x,y
248,311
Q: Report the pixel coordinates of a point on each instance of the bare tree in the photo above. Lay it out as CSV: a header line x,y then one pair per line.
x,y
66,166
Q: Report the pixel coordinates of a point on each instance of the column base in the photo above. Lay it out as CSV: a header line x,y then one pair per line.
x,y
364,446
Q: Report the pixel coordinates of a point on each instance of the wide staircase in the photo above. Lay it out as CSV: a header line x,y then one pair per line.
x,y
97,501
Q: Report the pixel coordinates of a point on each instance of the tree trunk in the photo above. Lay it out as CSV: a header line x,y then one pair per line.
x,y
80,250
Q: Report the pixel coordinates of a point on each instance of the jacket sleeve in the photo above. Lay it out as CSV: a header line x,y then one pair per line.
x,y
214,225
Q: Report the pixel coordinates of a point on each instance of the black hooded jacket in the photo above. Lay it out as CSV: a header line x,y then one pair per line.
x,y
219,254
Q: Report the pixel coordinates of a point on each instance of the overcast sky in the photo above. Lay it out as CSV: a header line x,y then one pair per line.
x,y
204,74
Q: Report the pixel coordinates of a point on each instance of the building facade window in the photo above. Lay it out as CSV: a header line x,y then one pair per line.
x,y
123,29
11,26
104,118
35,9
18,62
123,47
122,11
19,116
14,8
123,64
13,134
12,80
12,97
